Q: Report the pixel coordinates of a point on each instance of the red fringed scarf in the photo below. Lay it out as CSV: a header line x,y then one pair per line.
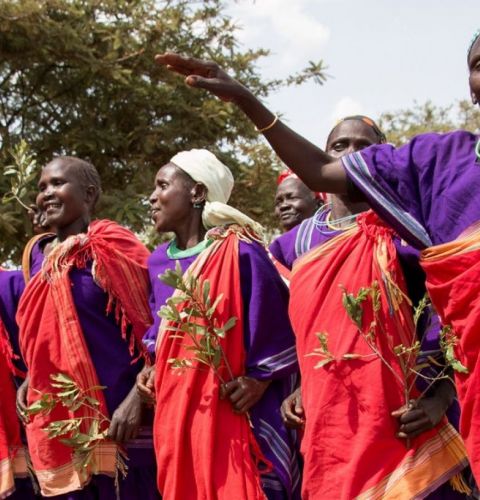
x,y
349,443
203,449
12,454
453,283
52,341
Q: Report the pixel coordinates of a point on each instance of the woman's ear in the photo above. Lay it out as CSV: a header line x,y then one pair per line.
x,y
91,196
474,98
199,194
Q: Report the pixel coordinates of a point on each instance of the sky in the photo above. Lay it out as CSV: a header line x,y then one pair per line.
x,y
382,55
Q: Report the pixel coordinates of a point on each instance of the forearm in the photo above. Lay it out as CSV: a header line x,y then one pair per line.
x,y
317,169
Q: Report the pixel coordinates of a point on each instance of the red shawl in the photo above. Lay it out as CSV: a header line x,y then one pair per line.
x,y
453,279
349,444
203,449
12,456
52,341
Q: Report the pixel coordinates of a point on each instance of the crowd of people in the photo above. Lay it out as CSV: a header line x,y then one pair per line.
x,y
339,361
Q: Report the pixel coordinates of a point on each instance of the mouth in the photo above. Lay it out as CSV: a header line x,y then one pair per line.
x,y
287,215
154,212
51,206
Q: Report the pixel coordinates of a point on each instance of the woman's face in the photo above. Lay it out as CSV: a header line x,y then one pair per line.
x,y
474,70
294,202
172,200
350,136
62,197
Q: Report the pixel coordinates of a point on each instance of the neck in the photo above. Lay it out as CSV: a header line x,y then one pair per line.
x,y
342,207
78,226
191,234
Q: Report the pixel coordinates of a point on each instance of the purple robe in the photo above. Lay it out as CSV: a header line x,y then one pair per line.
x,y
302,238
271,355
427,190
113,363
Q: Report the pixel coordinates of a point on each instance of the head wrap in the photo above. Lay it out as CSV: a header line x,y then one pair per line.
x,y
368,121
472,43
288,174
204,167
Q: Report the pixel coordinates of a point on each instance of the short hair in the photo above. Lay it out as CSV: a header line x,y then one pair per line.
x,y
86,171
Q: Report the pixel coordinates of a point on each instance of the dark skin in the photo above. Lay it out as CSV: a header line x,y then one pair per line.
x,y
68,204
474,72
294,202
317,169
172,203
423,414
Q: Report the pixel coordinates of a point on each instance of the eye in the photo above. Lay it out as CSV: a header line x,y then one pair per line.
x,y
339,146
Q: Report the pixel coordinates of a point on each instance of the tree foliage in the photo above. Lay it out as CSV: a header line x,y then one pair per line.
x,y
77,77
400,126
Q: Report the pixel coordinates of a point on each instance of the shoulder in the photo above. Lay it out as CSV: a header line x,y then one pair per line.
x,y
159,254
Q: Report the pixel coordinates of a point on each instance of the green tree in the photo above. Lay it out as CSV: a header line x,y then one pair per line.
x,y
400,126
77,77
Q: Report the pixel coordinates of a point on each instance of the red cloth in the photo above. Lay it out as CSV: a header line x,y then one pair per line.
x,y
203,449
51,339
289,174
349,444
453,279
10,442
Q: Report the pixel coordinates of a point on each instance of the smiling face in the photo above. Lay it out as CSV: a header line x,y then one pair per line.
x,y
294,202
172,200
63,198
474,71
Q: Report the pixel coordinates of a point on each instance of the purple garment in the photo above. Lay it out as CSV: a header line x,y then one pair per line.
x,y
302,238
271,355
113,364
12,285
427,190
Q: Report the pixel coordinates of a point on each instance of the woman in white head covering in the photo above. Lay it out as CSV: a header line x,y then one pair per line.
x,y
201,415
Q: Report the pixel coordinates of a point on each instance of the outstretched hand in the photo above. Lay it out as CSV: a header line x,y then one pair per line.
x,y
204,74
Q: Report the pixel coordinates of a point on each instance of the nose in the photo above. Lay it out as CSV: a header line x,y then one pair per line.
x,y
153,198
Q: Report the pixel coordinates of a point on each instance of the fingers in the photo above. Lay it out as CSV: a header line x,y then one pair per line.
x,y
186,65
292,413
227,389
412,416
414,429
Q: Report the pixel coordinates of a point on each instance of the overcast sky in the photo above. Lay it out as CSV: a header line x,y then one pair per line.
x,y
382,54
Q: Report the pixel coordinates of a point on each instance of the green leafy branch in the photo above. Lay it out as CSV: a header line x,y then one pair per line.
x,y
71,432
448,341
407,355
196,320
22,174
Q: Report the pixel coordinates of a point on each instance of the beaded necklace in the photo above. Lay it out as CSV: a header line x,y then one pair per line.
x,y
477,150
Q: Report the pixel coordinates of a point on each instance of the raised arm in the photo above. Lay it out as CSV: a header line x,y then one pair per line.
x,y
318,170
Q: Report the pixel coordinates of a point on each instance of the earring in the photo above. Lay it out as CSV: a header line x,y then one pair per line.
x,y
197,204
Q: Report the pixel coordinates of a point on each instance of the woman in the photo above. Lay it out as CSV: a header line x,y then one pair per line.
x,y
350,134
201,430
294,202
14,481
78,317
424,190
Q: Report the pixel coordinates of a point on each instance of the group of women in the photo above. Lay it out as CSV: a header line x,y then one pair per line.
x,y
211,389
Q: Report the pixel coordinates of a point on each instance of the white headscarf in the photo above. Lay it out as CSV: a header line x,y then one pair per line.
x,y
204,167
